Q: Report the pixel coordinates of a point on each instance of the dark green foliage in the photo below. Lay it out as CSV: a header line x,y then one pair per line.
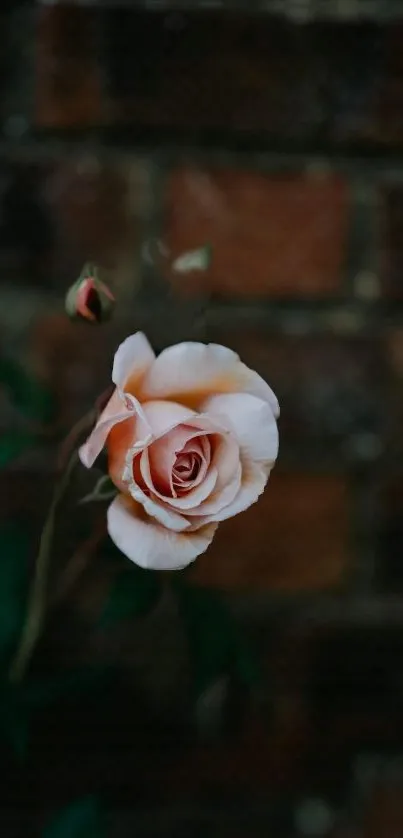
x,y
30,396
133,594
215,640
81,819
14,551
13,444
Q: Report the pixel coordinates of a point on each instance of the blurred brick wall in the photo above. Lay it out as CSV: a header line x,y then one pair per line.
x,y
281,145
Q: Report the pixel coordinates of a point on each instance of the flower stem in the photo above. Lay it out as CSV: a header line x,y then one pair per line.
x,y
37,596
78,564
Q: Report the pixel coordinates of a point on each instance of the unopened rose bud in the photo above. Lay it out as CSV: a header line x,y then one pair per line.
x,y
89,298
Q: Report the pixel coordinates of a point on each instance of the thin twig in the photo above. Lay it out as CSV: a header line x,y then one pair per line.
x,y
37,597
38,593
71,441
84,424
78,563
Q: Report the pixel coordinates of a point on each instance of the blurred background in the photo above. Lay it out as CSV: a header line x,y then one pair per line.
x,y
271,130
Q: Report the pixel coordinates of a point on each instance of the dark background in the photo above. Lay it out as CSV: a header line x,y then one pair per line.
x,y
273,131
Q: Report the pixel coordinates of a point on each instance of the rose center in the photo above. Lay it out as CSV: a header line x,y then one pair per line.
x,y
186,469
175,464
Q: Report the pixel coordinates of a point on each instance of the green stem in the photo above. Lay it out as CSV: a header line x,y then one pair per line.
x,y
37,596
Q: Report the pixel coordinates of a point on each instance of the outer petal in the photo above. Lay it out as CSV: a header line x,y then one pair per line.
x,y
159,510
115,411
252,421
149,544
132,359
119,409
190,372
256,430
124,441
253,481
162,415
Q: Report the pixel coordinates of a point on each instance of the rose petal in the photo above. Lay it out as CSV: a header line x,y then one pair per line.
x,y
253,482
124,442
225,461
256,429
159,510
120,440
252,421
163,415
115,411
190,372
152,420
192,499
225,466
187,467
132,359
222,495
121,409
162,457
149,544
198,451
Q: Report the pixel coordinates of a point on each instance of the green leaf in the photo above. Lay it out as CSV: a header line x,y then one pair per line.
x,y
28,394
81,819
215,640
14,551
13,444
133,594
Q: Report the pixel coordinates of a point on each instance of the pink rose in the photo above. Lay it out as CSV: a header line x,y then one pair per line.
x,y
191,438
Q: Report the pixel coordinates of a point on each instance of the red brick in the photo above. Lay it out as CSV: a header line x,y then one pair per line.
x,y
388,126
390,243
294,538
272,235
89,201
355,75
62,212
68,84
